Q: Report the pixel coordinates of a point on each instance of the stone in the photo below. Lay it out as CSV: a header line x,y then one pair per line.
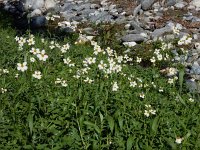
x,y
129,44
133,38
137,10
180,4
146,4
170,3
33,4
37,22
49,5
160,32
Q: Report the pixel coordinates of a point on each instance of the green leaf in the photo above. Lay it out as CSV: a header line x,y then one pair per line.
x,y
171,143
93,125
101,117
155,125
30,122
181,75
129,143
181,100
111,123
120,121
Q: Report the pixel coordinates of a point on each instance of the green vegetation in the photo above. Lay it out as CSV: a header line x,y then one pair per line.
x,y
82,96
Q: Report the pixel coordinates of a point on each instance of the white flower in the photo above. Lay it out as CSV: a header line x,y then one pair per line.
x,y
16,75
64,83
32,59
115,87
146,113
170,81
5,71
42,56
138,60
191,99
88,80
172,71
179,140
133,84
58,80
34,51
3,90
31,41
142,95
102,66
153,60
37,75
160,90
159,56
22,67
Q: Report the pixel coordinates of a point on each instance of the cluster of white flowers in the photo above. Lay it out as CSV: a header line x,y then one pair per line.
x,y
158,54
41,55
68,62
88,61
3,90
176,29
149,111
64,24
185,40
21,41
37,75
61,81
191,99
172,80
52,17
4,71
172,71
83,39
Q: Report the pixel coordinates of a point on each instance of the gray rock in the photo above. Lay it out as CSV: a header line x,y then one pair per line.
x,y
146,4
137,10
195,68
82,7
193,86
135,26
98,17
133,38
170,3
38,22
180,4
67,15
160,32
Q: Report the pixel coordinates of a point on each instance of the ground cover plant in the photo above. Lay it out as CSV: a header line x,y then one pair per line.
x,y
73,95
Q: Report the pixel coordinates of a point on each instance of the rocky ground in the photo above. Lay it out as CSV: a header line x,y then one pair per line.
x,y
143,20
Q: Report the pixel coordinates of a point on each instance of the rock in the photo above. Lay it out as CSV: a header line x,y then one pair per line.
x,y
170,3
193,86
146,4
134,25
33,4
195,3
37,22
137,10
129,44
160,32
180,4
195,68
49,5
133,38
36,12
